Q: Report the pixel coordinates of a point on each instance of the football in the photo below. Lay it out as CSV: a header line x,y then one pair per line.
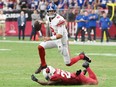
x,y
37,26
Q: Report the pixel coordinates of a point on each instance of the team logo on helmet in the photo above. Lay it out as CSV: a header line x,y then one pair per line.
x,y
51,7
48,72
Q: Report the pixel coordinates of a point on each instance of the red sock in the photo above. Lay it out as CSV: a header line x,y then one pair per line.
x,y
74,60
42,55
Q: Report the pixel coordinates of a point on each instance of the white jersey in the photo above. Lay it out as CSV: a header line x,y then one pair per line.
x,y
57,26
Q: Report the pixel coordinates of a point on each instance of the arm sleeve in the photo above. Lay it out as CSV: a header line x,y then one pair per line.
x,y
110,23
99,23
18,21
96,17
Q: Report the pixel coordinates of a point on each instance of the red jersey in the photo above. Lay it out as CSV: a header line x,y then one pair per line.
x,y
66,77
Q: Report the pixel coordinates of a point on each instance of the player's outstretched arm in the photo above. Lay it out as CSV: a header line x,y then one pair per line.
x,y
43,82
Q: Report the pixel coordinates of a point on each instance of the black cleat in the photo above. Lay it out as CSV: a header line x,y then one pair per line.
x,y
85,57
85,64
40,68
34,78
78,72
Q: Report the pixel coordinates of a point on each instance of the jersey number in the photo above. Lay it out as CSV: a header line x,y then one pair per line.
x,y
65,74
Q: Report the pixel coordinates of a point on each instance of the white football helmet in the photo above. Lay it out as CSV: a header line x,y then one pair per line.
x,y
48,72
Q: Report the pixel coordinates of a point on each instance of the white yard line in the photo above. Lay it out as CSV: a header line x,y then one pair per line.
x,y
10,41
95,43
5,49
70,42
100,54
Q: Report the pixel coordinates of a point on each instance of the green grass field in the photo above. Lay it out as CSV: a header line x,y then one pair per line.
x,y
19,60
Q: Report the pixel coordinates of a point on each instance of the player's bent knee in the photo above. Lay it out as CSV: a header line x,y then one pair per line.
x,y
40,47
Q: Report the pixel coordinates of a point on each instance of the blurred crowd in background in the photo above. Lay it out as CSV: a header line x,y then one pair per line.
x,y
69,9
61,4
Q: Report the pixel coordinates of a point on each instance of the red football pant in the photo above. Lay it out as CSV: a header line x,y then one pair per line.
x,y
41,52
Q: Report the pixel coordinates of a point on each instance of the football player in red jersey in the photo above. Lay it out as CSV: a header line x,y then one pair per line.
x,y
61,77
59,39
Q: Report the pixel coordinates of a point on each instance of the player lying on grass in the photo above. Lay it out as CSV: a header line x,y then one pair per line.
x,y
61,77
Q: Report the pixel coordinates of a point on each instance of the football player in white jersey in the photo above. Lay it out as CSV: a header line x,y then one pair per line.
x,y
59,39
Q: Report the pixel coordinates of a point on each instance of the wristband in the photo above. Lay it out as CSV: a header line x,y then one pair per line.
x,y
53,37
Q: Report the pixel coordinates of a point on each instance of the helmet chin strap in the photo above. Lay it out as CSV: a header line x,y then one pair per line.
x,y
51,16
